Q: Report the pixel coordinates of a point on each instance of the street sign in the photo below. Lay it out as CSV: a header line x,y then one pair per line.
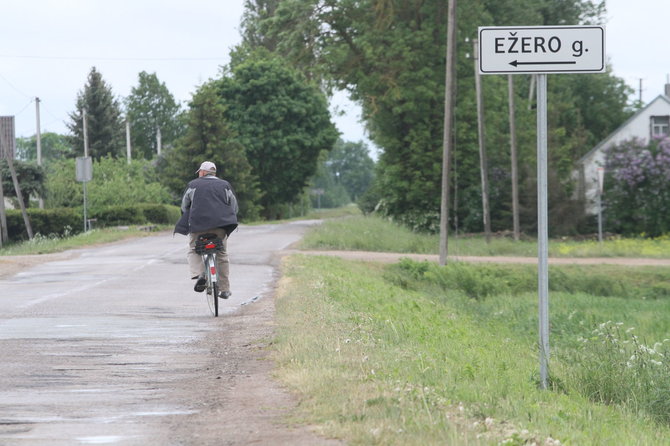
x,y
541,49
84,169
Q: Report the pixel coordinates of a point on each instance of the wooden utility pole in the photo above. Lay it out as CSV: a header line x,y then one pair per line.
x,y
512,143
483,161
84,129
19,197
38,142
447,140
159,141
4,236
128,149
531,91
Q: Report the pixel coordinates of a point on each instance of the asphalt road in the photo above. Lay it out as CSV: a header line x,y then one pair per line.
x,y
92,347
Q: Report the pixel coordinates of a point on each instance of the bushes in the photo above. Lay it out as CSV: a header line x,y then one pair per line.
x,y
60,221
137,214
44,221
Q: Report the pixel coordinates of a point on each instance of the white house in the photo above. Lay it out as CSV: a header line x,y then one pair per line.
x,y
652,120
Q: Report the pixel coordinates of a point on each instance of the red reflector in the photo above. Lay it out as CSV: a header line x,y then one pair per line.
x,y
210,246
212,270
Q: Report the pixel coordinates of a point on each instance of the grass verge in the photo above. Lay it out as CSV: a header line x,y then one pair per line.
x,y
49,244
397,355
370,233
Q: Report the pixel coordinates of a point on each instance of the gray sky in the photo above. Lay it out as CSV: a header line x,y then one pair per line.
x,y
47,48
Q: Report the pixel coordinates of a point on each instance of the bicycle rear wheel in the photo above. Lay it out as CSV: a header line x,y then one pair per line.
x,y
212,288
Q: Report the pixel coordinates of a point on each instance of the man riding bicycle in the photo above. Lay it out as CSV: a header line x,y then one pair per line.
x,y
208,206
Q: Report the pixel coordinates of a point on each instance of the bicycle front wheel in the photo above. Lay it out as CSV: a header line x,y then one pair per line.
x,y
215,294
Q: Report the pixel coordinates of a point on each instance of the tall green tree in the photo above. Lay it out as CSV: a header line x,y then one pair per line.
x,y
150,107
30,177
209,137
390,57
104,126
115,182
350,165
53,146
282,121
325,191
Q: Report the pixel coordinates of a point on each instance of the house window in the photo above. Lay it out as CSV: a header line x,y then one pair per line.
x,y
660,126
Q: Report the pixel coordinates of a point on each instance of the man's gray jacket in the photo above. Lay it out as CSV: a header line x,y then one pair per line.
x,y
208,202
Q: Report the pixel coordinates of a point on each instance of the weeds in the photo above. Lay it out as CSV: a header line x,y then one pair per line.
x,y
615,367
402,355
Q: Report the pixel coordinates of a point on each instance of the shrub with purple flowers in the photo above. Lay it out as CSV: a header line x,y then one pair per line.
x,y
637,187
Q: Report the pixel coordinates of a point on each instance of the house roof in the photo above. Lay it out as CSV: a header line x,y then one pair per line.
x,y
628,121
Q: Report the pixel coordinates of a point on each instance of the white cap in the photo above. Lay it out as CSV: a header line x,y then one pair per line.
x,y
207,166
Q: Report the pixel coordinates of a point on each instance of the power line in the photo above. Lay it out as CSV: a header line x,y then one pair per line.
x,y
14,87
115,59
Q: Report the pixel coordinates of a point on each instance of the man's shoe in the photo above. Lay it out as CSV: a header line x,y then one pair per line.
x,y
200,284
225,294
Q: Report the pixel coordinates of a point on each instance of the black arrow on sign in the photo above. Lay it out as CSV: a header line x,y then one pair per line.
x,y
569,62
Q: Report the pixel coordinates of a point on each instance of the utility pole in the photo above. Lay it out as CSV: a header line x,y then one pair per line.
x,y
512,143
38,141
4,236
83,123
128,150
483,162
3,219
447,141
19,197
159,141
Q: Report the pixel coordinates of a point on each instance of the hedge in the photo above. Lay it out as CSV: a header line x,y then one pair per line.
x,y
58,222
62,221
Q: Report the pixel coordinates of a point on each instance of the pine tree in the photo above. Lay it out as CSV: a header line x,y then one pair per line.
x,y
104,126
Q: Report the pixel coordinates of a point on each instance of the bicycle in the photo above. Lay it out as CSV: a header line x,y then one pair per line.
x,y
207,246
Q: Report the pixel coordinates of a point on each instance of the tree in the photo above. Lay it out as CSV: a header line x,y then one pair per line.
x,y
30,177
351,166
53,146
115,182
388,56
282,121
150,107
209,137
325,191
639,174
105,129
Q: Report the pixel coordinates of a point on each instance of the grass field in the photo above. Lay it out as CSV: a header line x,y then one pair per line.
x,y
415,354
364,233
405,354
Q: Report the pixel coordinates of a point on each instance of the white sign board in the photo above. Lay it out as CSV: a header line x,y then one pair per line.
x,y
541,49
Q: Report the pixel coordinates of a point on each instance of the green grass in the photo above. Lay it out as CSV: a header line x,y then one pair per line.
x,y
369,233
404,355
45,245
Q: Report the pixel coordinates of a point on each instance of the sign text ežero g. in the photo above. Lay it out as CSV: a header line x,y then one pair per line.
x,y
544,49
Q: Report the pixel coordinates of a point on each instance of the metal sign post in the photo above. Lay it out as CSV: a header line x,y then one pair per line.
x,y
542,50
542,228
84,174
